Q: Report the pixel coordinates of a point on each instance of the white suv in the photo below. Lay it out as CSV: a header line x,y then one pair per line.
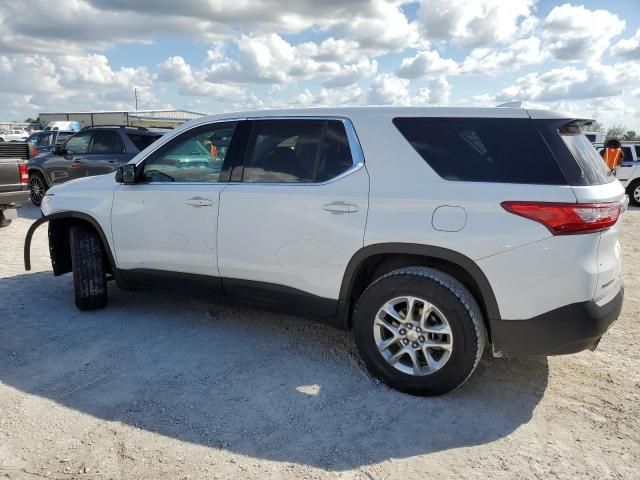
x,y
628,172
430,233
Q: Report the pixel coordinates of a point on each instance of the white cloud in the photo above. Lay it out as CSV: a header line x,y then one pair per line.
x,y
350,74
576,33
526,51
628,48
424,63
387,89
175,69
562,84
473,23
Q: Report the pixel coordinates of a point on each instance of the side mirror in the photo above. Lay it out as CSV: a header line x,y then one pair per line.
x,y
59,150
126,173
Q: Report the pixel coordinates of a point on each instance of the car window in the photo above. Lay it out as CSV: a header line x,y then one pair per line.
x,y
142,141
194,156
62,137
45,139
496,150
79,143
627,154
296,151
637,152
33,138
105,141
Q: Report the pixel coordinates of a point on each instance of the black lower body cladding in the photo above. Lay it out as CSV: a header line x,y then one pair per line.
x,y
562,331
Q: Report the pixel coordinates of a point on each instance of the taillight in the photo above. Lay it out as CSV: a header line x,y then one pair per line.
x,y
568,218
24,173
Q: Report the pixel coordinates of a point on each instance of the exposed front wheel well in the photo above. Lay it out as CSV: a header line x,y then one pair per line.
x,y
375,266
60,246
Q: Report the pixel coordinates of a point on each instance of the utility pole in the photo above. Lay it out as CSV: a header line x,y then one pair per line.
x,y
135,93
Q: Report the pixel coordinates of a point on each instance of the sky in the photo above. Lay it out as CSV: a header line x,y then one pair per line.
x,y
216,56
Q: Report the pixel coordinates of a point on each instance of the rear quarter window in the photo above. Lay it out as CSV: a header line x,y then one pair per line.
x,y
142,141
499,150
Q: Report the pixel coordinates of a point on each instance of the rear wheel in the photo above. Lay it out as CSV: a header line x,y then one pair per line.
x,y
419,330
89,276
634,192
37,188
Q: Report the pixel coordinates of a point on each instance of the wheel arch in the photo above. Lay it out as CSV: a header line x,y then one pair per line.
x,y
373,261
59,248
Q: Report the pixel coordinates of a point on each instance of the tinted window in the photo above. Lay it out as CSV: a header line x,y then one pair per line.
x,y
105,141
33,138
627,154
142,141
79,143
638,152
580,161
45,139
296,151
63,137
483,149
194,156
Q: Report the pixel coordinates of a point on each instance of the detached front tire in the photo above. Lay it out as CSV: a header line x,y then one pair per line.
x,y
419,330
89,276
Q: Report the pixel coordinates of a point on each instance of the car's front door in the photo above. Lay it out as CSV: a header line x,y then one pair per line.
x,y
69,165
167,222
290,225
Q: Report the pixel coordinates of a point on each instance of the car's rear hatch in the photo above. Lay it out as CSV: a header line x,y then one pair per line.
x,y
592,184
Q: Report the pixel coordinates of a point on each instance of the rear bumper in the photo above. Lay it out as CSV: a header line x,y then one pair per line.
x,y
565,330
9,198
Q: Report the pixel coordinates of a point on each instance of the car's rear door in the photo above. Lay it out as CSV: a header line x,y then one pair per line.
x,y
106,152
295,214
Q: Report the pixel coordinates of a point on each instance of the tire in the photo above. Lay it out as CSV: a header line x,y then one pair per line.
x,y
633,191
4,221
453,309
37,188
87,260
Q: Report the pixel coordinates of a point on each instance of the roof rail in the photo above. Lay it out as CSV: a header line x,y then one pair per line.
x,y
114,126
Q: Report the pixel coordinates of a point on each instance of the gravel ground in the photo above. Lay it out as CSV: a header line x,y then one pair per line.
x,y
164,386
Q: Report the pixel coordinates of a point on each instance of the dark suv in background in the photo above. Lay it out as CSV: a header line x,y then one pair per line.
x,y
91,151
45,141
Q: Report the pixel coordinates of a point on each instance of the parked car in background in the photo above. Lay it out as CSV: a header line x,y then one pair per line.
x,y
13,178
45,141
91,151
13,136
628,172
428,232
62,125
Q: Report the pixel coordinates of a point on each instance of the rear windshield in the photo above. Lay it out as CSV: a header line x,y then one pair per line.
x,y
499,150
580,161
142,141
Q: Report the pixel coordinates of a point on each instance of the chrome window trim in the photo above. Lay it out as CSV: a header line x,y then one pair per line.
x,y
357,155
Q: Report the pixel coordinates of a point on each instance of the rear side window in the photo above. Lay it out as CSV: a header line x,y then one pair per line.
x,y
142,141
296,151
106,142
627,154
63,137
638,152
580,161
500,150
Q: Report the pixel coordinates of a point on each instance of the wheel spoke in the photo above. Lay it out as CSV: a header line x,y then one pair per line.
x,y
387,343
382,322
431,362
411,304
390,310
393,359
414,361
443,345
441,329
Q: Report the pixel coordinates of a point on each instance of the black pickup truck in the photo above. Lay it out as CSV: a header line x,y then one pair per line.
x,y
14,177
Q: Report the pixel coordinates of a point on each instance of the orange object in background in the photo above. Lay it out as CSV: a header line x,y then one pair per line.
x,y
213,150
612,157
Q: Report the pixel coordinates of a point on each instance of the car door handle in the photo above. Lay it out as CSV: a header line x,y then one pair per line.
x,y
340,207
199,202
